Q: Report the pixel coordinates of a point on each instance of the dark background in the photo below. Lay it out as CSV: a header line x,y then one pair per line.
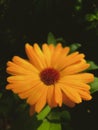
x,y
30,21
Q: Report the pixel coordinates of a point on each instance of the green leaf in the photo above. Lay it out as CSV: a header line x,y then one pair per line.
x,y
46,125
78,7
60,40
57,115
43,113
94,85
54,116
65,115
51,39
93,66
90,17
74,47
55,126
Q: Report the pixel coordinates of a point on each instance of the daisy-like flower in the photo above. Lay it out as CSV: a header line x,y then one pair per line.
x,y
50,76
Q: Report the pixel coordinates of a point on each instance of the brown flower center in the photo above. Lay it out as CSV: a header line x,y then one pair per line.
x,y
49,76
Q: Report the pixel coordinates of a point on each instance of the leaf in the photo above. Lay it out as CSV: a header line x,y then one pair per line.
x,y
90,17
93,66
60,40
46,125
54,117
65,115
94,85
51,39
74,47
43,113
55,126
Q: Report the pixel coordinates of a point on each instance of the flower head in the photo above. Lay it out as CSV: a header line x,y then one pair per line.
x,y
50,76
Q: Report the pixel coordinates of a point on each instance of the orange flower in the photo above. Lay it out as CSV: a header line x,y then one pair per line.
x,y
50,76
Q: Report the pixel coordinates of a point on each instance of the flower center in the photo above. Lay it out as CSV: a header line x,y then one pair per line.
x,y
49,76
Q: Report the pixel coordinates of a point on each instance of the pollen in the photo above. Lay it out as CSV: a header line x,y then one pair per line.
x,y
49,76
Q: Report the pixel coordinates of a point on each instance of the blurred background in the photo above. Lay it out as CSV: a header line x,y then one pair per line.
x,y
21,21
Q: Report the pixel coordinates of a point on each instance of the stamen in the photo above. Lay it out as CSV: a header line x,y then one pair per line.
x,y
49,76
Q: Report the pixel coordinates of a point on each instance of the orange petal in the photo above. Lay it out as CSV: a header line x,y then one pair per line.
x,y
27,93
32,110
42,101
37,91
72,59
33,57
51,48
47,54
76,68
22,87
50,97
39,53
22,78
23,63
61,58
58,95
71,93
82,77
85,95
56,55
67,101
75,84
14,69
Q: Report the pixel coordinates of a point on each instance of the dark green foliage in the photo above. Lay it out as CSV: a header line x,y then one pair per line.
x,y
93,66
94,85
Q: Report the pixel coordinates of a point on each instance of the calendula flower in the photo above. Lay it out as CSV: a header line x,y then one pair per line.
x,y
50,76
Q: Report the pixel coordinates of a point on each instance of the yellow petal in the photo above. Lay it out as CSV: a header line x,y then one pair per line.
x,y
15,69
75,84
27,93
56,55
50,97
40,54
47,54
23,63
51,48
36,94
42,101
59,63
22,87
58,95
82,77
67,60
67,101
33,57
71,93
71,59
85,95
22,78
76,68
